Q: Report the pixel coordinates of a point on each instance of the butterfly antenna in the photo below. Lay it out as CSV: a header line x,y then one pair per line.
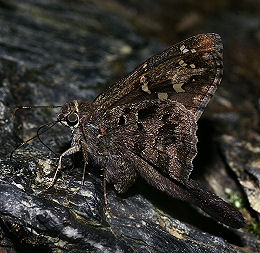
x,y
34,107
37,135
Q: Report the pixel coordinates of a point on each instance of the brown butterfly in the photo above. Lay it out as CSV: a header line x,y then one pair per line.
x,y
145,124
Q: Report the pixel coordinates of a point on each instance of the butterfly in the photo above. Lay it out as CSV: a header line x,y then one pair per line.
x,y
145,124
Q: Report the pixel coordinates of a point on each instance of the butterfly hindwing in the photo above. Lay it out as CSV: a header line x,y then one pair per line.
x,y
161,133
188,72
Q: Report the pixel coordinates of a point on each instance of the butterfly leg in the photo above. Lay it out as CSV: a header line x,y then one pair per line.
x,y
83,174
85,159
105,188
69,151
122,176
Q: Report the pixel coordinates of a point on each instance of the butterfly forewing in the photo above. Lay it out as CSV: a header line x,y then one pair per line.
x,y
188,72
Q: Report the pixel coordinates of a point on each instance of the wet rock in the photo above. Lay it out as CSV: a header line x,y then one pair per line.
x,y
243,159
54,51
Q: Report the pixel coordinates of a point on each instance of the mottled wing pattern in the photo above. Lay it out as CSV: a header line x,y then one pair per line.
x,y
162,133
188,72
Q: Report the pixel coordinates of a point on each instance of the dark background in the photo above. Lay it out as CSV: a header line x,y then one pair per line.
x,y
54,51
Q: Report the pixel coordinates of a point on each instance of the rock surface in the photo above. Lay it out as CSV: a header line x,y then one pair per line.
x,y
54,51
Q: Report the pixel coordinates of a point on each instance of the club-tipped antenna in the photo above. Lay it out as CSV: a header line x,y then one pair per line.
x,y
34,107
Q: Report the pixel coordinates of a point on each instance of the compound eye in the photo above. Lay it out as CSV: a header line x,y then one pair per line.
x,y
72,119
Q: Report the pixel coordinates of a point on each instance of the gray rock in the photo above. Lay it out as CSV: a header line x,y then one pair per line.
x,y
52,52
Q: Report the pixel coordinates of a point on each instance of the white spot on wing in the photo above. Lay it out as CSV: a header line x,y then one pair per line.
x,y
162,96
182,63
145,87
182,47
177,87
192,66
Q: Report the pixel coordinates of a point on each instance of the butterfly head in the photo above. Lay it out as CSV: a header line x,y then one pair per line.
x,y
69,114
